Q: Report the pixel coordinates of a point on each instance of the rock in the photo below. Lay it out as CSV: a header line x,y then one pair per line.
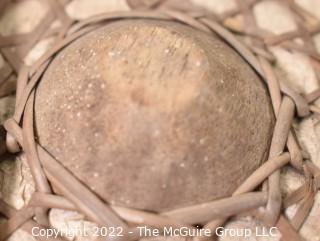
x,y
310,6
80,9
22,17
16,182
281,21
290,74
216,6
6,107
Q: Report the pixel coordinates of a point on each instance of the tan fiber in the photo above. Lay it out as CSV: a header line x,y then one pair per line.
x,y
74,189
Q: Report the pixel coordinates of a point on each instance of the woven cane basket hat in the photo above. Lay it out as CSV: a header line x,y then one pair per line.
x,y
157,118
155,114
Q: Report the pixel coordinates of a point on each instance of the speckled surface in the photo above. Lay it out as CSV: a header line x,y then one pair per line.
x,y
156,126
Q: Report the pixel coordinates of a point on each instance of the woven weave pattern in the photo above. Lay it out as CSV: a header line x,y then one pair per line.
x,y
266,205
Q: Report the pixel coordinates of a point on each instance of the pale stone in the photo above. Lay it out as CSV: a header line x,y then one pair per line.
x,y
80,9
302,79
16,184
6,107
274,17
311,6
216,6
290,180
22,17
309,137
21,235
73,226
316,40
39,49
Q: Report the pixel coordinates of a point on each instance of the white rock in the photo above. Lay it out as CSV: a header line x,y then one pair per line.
x,y
80,9
21,235
301,79
309,137
16,184
72,224
216,6
316,40
311,6
22,17
39,49
274,17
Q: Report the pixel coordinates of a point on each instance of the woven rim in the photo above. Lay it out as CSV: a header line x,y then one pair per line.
x,y
76,196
